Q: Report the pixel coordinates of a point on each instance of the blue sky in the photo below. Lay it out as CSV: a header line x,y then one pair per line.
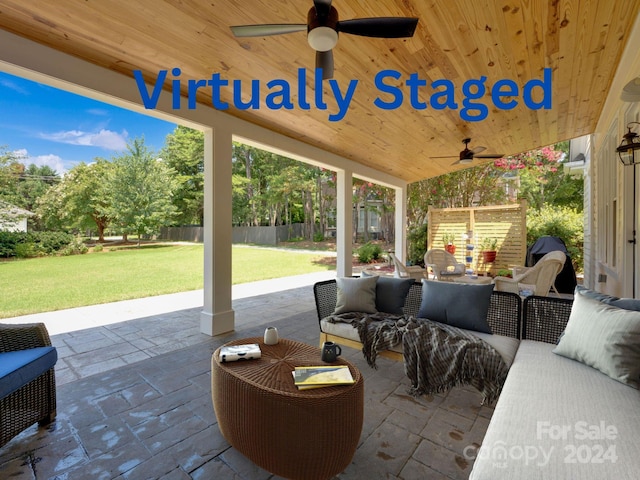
x,y
52,127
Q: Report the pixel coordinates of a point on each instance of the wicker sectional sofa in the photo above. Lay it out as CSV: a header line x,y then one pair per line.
x,y
503,317
556,417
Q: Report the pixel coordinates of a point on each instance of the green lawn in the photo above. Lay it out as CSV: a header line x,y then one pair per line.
x,y
54,283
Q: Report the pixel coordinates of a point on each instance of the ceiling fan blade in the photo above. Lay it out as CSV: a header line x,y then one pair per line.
x,y
267,29
324,60
490,155
463,161
381,27
478,150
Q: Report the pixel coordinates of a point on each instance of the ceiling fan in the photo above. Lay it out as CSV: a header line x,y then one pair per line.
x,y
466,156
323,27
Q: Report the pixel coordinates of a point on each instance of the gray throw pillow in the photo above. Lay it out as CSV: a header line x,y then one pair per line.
x,y
458,304
391,293
601,297
625,303
356,295
604,337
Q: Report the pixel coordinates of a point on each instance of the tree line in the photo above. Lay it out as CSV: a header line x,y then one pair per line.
x,y
138,191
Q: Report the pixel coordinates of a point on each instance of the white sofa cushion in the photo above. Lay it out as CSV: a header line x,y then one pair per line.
x,y
505,346
551,405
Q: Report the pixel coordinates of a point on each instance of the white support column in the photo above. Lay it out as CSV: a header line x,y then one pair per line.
x,y
217,316
344,223
401,224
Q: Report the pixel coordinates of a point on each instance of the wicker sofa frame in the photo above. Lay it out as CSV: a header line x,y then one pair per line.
x,y
504,315
542,319
34,401
545,318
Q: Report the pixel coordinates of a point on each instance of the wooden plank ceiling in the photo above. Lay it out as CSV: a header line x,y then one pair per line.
x,y
457,40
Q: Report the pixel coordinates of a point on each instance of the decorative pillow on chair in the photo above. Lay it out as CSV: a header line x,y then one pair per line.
x,y
604,337
356,295
391,293
457,304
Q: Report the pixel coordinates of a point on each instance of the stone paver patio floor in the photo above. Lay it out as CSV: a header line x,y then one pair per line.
x,y
134,402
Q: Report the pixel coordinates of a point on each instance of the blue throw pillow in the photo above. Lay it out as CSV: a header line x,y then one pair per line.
x,y
457,304
391,293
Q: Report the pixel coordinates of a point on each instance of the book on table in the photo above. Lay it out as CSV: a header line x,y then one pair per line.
x,y
233,353
322,376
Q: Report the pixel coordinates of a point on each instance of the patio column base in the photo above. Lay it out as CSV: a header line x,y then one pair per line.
x,y
217,323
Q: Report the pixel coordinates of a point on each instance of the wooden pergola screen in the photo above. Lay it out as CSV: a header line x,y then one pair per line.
x,y
506,223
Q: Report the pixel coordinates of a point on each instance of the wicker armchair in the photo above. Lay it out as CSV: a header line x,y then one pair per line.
x,y
35,401
402,271
440,262
539,279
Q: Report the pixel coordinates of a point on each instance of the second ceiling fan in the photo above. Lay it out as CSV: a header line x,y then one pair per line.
x,y
467,155
323,27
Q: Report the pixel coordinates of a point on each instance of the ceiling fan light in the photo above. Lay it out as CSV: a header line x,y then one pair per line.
x,y
466,160
322,39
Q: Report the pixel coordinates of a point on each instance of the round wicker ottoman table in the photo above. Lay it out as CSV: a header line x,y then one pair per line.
x,y
296,434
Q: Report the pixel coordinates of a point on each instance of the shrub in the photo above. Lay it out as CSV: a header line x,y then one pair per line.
x,y
9,241
98,247
27,250
32,244
75,247
318,237
52,242
368,252
563,222
417,241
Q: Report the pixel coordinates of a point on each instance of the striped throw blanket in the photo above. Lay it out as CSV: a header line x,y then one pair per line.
x,y
437,356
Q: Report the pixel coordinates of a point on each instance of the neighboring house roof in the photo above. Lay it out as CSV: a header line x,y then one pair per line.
x,y
13,211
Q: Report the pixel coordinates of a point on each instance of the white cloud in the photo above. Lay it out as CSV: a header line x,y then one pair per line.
x,y
51,160
12,86
98,111
107,139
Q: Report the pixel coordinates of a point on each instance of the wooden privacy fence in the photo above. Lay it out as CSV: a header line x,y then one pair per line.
x,y
506,223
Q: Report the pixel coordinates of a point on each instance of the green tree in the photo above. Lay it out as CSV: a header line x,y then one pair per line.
x,y
542,180
22,186
141,187
80,201
559,221
270,189
184,153
34,183
10,170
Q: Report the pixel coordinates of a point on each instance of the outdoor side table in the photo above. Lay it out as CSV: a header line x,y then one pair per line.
x,y
296,434
476,280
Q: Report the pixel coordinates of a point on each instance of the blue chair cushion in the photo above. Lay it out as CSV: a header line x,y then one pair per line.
x,y
19,367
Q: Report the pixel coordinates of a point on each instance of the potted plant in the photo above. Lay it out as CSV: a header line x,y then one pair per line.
x,y
448,239
488,248
503,272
